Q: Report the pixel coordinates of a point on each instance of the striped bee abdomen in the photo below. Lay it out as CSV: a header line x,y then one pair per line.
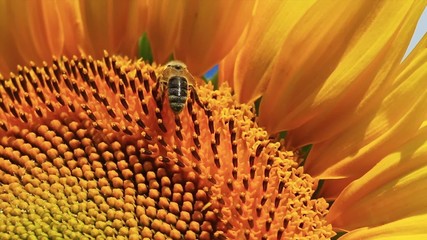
x,y
177,93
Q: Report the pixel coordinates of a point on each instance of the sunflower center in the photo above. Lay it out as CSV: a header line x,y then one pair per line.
x,y
94,148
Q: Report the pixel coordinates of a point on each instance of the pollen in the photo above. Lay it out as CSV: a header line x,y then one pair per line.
x,y
92,149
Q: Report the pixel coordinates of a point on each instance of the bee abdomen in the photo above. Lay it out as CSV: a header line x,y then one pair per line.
x,y
177,104
177,91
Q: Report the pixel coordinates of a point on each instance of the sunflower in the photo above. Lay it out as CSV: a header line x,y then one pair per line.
x,y
91,148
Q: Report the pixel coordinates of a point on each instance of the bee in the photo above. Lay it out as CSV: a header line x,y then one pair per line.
x,y
178,81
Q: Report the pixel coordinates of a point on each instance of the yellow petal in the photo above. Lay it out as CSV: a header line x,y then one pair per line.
x,y
381,130
253,60
209,30
112,25
407,228
333,64
395,189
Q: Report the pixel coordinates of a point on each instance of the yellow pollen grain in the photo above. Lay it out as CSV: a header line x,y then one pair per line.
x,y
91,149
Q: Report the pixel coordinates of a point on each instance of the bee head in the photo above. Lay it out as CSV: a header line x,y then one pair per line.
x,y
176,68
177,65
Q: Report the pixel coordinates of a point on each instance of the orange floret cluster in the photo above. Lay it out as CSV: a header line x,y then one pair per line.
x,y
90,149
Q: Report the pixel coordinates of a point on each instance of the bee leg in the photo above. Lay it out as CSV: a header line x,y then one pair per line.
x,y
156,90
196,98
159,93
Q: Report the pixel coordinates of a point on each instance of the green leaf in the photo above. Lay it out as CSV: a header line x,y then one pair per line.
x,y
144,48
214,80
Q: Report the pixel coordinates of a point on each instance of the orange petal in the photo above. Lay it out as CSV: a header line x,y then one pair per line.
x,y
44,28
253,60
163,27
72,26
34,30
332,188
8,55
112,25
395,189
209,30
227,65
381,130
326,75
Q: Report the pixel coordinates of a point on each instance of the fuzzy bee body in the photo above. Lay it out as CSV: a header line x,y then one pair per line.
x,y
178,81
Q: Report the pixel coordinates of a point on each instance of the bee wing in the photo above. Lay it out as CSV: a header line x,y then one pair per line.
x,y
166,73
170,69
195,81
